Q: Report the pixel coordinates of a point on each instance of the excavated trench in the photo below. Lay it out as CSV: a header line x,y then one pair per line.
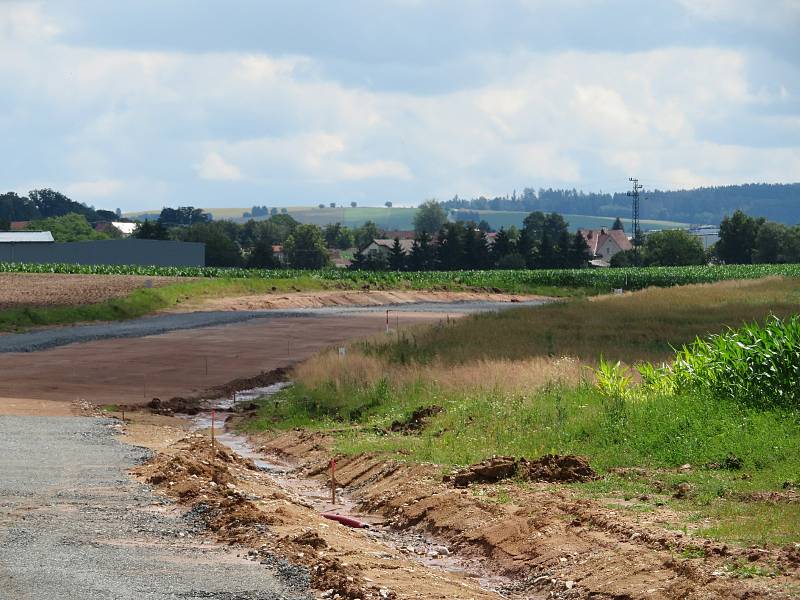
x,y
316,494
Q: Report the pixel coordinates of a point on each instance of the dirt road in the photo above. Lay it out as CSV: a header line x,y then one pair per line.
x,y
186,362
75,526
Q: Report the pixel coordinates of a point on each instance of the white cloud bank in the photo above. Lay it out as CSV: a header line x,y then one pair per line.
x,y
141,128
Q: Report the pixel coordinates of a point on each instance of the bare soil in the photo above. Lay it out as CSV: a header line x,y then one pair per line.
x,y
242,505
56,289
552,541
339,298
181,363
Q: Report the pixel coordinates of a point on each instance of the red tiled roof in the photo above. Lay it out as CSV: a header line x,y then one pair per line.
x,y
595,238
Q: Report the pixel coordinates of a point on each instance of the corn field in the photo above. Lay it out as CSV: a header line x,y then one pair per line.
x,y
601,279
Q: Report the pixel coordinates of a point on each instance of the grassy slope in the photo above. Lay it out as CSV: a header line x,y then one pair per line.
x,y
520,407
403,218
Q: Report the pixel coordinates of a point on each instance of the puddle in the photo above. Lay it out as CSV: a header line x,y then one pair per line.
x,y
316,493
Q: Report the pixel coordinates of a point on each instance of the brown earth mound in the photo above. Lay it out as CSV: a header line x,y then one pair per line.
x,y
550,467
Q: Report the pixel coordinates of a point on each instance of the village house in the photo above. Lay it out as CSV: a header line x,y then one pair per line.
x,y
384,246
604,244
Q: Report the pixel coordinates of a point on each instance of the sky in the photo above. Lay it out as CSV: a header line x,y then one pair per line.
x,y
151,103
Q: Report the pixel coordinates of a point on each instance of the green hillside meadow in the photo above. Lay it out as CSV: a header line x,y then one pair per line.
x,y
403,218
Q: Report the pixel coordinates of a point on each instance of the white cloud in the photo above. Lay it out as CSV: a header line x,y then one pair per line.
x,y
93,189
25,22
755,13
389,169
100,117
215,168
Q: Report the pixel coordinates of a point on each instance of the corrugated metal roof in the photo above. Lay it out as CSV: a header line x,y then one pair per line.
x,y
25,236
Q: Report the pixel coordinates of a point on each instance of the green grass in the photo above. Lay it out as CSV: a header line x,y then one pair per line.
x,y
645,325
658,434
753,522
735,448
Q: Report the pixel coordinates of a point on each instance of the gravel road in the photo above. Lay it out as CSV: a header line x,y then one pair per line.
x,y
75,526
61,336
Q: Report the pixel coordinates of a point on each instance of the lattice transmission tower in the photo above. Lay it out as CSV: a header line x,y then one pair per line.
x,y
634,196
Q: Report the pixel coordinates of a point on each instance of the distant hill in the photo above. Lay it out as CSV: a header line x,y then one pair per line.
x,y
659,209
403,218
707,205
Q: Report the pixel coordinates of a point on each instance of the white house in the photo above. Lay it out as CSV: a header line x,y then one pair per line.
x,y
604,244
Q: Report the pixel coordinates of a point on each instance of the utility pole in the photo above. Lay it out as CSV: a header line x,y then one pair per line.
x,y
634,195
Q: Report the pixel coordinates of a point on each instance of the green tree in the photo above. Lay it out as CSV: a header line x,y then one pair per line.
x,y
627,258
337,236
450,249
221,249
260,256
150,230
50,203
183,215
423,254
430,217
505,243
5,224
17,208
397,256
363,235
772,244
476,249
305,248
285,225
256,239
737,238
618,226
512,261
68,228
672,248
578,254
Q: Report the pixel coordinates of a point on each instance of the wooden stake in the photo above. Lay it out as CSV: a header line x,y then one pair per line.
x,y
212,427
333,480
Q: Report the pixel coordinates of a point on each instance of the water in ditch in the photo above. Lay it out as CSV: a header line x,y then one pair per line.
x,y
316,493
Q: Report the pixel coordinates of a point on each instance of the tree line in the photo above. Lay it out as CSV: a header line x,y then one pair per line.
x,y
706,205
544,242
46,203
251,244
